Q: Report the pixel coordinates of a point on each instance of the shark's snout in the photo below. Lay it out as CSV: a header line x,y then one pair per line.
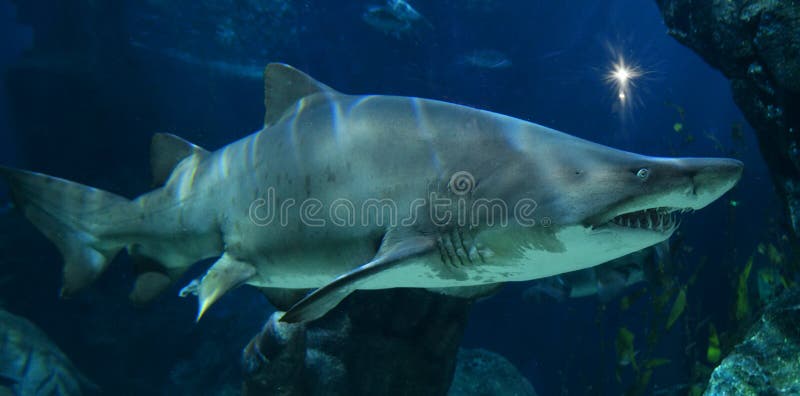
x,y
714,170
713,177
669,187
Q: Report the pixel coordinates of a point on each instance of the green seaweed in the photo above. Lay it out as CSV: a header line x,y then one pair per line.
x,y
677,308
742,301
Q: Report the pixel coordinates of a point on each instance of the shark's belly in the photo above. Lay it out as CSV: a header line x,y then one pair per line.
x,y
310,267
581,248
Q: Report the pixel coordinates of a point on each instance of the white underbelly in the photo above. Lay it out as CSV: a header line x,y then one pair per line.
x,y
582,249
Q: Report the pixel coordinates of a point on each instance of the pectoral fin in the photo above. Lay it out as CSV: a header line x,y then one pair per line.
x,y
224,275
394,250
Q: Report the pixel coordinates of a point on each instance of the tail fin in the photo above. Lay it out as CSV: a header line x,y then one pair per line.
x,y
74,217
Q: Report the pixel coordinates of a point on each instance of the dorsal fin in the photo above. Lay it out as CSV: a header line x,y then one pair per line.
x,y
283,87
166,152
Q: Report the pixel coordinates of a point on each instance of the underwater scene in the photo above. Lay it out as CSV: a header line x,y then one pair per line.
x,y
399,197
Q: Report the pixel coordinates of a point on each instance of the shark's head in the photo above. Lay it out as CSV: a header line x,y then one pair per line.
x,y
644,194
603,203
623,196
604,188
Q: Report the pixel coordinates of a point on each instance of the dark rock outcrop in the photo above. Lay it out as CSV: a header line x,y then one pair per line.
x,y
756,44
31,364
480,372
767,362
389,342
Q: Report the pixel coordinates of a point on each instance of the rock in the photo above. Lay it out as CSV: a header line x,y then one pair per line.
x,y
274,360
387,342
30,364
483,373
767,362
756,44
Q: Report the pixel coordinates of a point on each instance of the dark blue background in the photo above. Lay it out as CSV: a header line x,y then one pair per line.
x,y
561,52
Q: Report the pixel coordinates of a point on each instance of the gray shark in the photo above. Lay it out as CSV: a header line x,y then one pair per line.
x,y
607,281
340,192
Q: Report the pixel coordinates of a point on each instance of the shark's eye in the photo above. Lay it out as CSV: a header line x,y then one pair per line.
x,y
643,173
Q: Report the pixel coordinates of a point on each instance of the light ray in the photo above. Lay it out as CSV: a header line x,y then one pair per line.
x,y
622,78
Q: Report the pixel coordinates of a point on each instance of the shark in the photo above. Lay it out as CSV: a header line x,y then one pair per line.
x,y
606,281
340,192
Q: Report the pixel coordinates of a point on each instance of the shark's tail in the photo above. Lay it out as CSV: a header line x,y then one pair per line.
x,y
76,218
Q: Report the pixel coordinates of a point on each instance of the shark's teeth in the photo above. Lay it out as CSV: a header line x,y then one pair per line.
x,y
655,219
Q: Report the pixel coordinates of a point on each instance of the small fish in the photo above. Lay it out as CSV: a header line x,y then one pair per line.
x,y
396,18
485,59
225,68
403,10
553,287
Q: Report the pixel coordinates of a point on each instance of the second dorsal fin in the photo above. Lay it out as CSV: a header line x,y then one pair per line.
x,y
283,87
166,152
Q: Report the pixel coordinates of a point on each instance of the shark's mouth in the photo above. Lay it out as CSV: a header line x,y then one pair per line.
x,y
663,219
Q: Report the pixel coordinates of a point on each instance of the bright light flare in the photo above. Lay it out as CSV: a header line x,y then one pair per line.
x,y
622,77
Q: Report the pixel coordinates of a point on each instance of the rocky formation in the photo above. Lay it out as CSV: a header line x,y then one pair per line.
x,y
768,361
390,342
480,373
756,44
30,364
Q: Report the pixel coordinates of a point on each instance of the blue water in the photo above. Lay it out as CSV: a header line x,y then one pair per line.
x,y
120,72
